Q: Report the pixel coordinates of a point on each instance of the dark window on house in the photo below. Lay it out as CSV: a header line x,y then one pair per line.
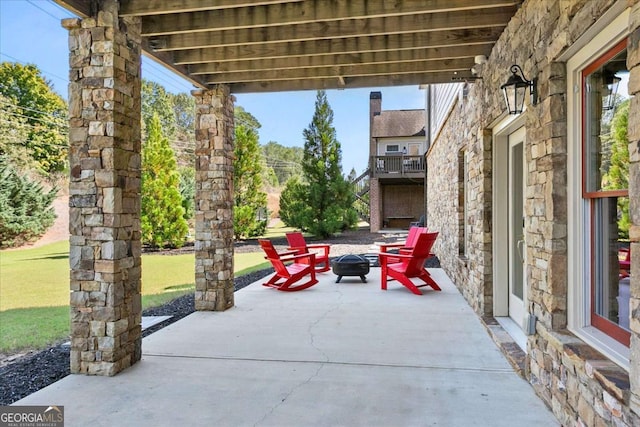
x,y
463,175
605,190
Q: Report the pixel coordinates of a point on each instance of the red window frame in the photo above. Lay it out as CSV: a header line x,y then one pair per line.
x,y
605,325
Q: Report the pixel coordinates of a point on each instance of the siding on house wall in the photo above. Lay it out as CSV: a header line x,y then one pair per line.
x,y
580,385
442,99
400,142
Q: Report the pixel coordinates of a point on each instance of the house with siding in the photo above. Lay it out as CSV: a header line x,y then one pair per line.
x,y
397,169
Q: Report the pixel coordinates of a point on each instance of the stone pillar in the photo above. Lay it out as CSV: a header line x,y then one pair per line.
x,y
214,199
633,133
375,220
104,188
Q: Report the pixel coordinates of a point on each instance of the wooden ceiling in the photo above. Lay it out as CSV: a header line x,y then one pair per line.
x,y
278,45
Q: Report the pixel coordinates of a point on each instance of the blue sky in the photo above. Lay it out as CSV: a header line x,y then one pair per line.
x,y
30,32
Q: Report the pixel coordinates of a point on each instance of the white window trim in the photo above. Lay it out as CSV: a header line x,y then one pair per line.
x,y
609,31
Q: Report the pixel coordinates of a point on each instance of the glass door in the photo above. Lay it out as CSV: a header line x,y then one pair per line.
x,y
517,244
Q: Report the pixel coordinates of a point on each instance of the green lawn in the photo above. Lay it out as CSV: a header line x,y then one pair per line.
x,y
34,290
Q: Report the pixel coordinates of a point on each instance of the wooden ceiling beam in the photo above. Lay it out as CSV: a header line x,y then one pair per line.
x,y
364,58
461,64
337,29
349,82
339,46
166,59
161,7
304,12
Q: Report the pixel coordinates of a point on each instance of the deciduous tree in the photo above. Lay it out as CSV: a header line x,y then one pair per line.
x,y
28,95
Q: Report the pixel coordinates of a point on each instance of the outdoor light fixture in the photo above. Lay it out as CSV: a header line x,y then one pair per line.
x,y
611,82
515,89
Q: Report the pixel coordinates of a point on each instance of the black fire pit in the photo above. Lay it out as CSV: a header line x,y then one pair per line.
x,y
350,265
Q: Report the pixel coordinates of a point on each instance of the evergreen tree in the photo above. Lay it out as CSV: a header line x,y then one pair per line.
x,y
188,191
249,199
25,207
329,194
162,220
28,95
293,204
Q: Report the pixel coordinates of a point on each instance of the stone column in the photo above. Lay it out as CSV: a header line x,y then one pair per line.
x,y
633,133
375,220
214,199
104,188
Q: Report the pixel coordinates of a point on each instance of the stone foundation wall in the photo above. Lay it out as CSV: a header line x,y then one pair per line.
x,y
578,383
104,189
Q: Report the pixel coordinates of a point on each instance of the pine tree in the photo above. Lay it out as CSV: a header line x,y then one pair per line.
x,y
25,207
328,194
162,219
249,199
293,204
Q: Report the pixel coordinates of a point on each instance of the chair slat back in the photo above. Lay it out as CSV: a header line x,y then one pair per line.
x,y
413,235
421,251
274,258
296,240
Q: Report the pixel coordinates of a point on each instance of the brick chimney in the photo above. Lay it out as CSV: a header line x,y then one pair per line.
x,y
375,107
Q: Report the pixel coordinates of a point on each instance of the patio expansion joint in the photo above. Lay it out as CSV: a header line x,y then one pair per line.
x,y
507,370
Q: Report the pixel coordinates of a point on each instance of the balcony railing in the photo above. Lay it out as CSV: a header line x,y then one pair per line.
x,y
397,166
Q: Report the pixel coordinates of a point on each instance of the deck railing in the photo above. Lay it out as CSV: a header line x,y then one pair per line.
x,y
397,165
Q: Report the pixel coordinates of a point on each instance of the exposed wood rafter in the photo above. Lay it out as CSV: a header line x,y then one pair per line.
x,y
274,45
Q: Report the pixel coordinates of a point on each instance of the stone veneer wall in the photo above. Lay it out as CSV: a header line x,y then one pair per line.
x,y
577,382
214,199
104,188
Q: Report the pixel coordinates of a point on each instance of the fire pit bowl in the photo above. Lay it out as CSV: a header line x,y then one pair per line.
x,y
350,265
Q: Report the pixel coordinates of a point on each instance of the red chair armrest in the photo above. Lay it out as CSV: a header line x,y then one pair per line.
x,y
388,255
311,256
384,246
319,246
288,252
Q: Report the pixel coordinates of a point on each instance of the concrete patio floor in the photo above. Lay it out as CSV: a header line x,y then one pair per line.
x,y
343,354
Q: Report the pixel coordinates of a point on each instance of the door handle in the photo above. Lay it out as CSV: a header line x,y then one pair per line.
x,y
519,247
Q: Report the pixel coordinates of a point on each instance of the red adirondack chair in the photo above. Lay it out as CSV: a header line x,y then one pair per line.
x,y
406,246
298,244
411,265
624,259
286,276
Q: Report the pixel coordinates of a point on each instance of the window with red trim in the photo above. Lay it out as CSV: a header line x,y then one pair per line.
x,y
605,172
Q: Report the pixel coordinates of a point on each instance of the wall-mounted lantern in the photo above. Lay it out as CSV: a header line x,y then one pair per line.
x,y
515,88
611,82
